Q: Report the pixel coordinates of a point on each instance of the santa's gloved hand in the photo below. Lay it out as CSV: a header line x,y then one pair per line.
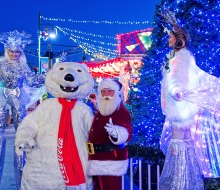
x,y
179,95
111,130
25,146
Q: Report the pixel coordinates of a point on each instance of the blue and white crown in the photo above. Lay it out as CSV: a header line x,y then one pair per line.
x,y
15,40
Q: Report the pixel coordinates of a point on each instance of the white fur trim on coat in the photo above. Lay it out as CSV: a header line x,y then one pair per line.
x,y
122,135
112,168
183,76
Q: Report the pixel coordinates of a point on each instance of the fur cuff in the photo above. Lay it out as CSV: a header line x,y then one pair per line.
x,y
111,168
183,124
122,135
175,90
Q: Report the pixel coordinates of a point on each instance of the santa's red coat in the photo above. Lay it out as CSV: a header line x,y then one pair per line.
x,y
112,162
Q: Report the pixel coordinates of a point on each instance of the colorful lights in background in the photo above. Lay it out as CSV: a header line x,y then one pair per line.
x,y
202,20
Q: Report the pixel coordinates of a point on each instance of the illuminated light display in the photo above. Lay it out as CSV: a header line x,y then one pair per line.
x,y
95,21
112,68
134,43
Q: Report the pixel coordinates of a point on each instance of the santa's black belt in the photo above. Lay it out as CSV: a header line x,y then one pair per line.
x,y
93,148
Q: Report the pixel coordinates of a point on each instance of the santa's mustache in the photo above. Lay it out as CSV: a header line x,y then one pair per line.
x,y
108,106
107,97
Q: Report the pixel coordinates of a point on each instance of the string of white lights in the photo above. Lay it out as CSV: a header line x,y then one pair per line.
x,y
85,48
100,49
95,47
93,51
94,21
87,39
85,33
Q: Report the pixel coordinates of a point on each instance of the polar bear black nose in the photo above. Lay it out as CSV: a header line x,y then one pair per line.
x,y
69,77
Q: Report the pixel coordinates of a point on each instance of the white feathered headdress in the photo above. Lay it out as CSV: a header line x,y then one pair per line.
x,y
181,34
15,39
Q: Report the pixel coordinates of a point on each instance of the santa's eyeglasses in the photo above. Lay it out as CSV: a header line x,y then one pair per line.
x,y
107,92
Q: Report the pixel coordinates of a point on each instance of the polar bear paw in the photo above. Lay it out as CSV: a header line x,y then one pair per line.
x,y
26,146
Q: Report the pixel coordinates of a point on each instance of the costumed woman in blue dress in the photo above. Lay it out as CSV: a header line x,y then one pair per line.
x,y
19,86
187,160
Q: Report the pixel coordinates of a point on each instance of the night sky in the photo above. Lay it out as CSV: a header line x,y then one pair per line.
x,y
23,16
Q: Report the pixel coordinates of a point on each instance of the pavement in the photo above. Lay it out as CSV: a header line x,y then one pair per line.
x,y
8,176
7,181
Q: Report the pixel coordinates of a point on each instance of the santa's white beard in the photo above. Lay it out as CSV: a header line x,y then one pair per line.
x,y
108,106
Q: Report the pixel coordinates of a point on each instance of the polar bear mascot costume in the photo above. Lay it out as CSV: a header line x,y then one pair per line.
x,y
55,134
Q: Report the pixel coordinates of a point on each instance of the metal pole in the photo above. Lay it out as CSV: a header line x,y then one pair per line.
x,y
39,42
131,174
158,176
49,54
149,176
84,56
123,183
140,174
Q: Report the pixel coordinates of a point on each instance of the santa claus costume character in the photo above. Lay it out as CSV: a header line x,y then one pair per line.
x,y
110,131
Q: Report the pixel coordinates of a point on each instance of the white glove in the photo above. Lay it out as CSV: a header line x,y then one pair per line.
x,y
26,146
180,95
111,130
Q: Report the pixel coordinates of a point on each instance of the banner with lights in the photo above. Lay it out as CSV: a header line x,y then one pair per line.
x,y
44,63
134,43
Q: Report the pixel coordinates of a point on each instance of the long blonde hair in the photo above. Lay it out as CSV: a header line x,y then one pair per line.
x,y
22,59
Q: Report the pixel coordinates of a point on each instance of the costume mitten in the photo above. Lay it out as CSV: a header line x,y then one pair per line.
x,y
26,145
111,130
179,94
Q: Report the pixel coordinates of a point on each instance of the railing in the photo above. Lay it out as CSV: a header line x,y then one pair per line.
x,y
2,150
140,185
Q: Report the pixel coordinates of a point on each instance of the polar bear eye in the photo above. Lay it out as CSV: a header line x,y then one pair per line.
x,y
61,68
79,70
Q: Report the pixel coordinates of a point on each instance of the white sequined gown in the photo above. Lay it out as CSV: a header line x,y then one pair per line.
x,y
181,170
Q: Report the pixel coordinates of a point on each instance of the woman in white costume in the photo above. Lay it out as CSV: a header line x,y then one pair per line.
x,y
181,170
190,101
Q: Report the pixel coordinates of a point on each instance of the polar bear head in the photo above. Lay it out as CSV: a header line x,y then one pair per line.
x,y
69,80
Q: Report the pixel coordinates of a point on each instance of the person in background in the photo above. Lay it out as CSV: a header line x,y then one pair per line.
x,y
91,102
17,83
110,131
15,74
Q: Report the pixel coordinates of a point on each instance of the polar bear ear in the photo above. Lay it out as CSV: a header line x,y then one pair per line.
x,y
56,64
85,67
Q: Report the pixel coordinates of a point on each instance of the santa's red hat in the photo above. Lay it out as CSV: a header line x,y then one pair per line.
x,y
112,84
